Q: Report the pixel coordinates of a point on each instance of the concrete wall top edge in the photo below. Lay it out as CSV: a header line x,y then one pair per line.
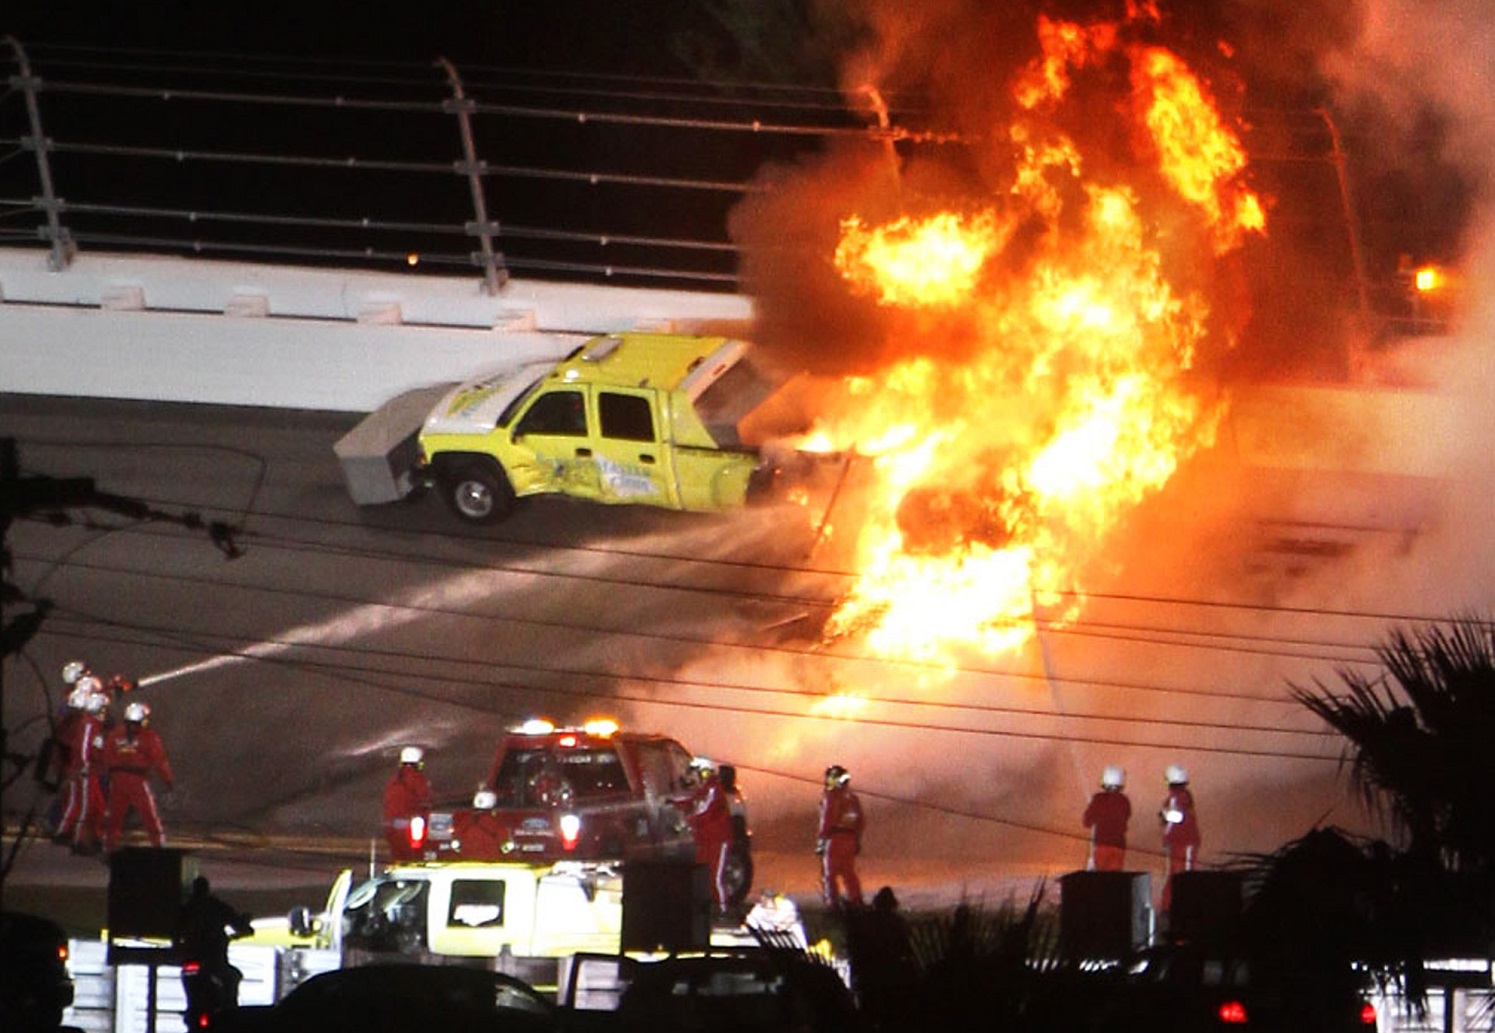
x,y
199,285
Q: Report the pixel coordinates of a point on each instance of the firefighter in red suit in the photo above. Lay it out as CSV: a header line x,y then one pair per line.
x,y
1106,817
1180,828
839,840
133,753
407,801
710,819
82,821
64,732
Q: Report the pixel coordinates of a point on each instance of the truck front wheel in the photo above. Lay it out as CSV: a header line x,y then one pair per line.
x,y
478,493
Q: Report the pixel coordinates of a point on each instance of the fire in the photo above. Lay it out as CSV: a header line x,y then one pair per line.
x,y
998,480
1197,155
930,262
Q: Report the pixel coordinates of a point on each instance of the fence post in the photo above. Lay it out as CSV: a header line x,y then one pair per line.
x,y
62,244
494,273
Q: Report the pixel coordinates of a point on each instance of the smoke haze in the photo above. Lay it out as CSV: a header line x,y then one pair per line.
x,y
1311,530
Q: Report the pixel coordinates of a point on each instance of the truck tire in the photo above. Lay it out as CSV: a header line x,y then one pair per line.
x,y
478,492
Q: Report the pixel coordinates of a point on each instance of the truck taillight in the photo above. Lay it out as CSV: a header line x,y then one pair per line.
x,y
1233,1013
191,968
417,832
1368,1014
570,831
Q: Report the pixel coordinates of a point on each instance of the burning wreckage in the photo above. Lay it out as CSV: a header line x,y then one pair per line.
x,y
1033,359
1039,355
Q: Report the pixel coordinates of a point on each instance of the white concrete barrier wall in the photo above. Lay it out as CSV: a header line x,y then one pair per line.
x,y
151,328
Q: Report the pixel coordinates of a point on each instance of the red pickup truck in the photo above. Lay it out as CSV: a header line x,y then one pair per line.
x,y
589,793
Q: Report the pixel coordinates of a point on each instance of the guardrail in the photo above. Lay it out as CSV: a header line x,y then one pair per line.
x,y
392,165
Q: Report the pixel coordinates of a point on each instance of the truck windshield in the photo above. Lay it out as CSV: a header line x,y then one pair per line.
x,y
387,915
507,416
534,777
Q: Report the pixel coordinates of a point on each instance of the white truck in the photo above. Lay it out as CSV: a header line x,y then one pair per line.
x,y
524,919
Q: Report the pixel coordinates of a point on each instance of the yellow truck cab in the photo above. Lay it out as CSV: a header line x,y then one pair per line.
x,y
522,915
627,418
520,918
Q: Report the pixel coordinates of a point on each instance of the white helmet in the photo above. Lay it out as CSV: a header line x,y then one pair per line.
x,y
702,765
89,683
137,712
1176,775
73,670
78,698
485,800
1113,777
412,755
96,702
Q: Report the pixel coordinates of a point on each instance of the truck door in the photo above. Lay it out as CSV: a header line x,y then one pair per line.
x,y
552,446
635,465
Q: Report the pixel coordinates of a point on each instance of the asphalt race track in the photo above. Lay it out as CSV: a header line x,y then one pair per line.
x,y
285,680
342,633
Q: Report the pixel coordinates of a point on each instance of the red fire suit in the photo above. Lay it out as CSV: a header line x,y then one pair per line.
x,y
1106,817
1180,835
711,821
408,795
838,841
132,754
83,809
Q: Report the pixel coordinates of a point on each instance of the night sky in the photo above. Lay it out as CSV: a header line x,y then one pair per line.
x,y
571,34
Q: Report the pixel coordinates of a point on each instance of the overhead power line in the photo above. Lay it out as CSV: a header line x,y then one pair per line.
x,y
422,665
619,693
659,636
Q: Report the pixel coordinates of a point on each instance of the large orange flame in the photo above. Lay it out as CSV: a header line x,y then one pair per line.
x,y
998,480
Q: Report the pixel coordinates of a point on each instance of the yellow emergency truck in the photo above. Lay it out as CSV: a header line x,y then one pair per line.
x,y
627,418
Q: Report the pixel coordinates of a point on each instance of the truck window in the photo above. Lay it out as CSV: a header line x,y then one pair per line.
x,y
626,417
584,772
596,772
387,915
556,412
476,904
731,397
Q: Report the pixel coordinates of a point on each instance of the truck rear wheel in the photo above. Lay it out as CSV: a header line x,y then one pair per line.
x,y
478,493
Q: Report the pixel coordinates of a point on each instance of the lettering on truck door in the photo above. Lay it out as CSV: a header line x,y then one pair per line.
x,y
553,446
635,465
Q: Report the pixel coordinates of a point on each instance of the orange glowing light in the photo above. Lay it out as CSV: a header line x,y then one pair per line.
x,y
1427,279
998,480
